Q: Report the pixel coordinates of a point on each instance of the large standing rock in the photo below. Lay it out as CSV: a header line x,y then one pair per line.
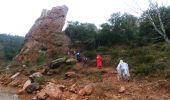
x,y
46,35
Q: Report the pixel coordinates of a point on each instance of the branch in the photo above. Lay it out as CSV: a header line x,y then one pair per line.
x,y
152,22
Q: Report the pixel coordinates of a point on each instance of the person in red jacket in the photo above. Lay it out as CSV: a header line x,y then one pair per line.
x,y
99,61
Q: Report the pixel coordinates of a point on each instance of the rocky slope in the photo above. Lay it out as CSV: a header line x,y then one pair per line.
x,y
46,35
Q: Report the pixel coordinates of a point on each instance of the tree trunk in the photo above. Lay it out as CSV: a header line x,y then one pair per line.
x,y
167,40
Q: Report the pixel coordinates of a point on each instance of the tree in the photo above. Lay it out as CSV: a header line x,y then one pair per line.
x,y
120,28
11,45
158,25
82,33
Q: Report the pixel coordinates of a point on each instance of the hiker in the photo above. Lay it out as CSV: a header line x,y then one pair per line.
x,y
99,61
85,60
123,70
78,57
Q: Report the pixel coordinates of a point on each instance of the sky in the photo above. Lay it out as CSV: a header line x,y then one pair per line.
x,y
18,16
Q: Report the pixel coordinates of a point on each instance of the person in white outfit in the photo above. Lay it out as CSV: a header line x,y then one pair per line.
x,y
123,70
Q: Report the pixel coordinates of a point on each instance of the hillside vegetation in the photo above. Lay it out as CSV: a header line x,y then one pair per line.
x,y
9,47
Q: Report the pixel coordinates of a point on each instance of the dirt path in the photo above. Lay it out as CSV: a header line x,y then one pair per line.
x,y
147,88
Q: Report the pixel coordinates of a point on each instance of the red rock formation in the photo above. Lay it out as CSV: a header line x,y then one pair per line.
x,y
46,35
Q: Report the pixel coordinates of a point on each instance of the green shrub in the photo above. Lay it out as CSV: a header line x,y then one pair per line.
x,y
26,62
40,80
114,52
54,54
103,50
135,52
159,66
144,70
40,58
146,59
90,54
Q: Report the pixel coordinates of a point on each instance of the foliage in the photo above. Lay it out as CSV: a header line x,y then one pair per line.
x,y
119,29
90,54
146,59
40,80
144,70
11,45
82,33
147,31
40,58
54,55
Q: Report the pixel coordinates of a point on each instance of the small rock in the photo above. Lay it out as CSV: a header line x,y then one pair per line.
x,y
42,95
76,97
15,75
35,98
87,90
70,74
71,61
122,89
34,76
73,88
32,87
26,84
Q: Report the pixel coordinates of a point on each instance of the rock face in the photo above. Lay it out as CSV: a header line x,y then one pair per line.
x,y
46,36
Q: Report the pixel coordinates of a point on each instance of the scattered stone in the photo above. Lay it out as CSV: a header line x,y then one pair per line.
x,y
15,75
87,90
32,87
15,83
56,63
27,83
70,74
73,88
42,95
122,89
71,61
35,98
52,90
34,76
76,97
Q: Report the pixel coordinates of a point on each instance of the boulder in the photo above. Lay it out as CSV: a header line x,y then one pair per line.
x,y
52,90
46,36
35,75
56,63
71,61
32,87
87,90
26,84
73,88
70,74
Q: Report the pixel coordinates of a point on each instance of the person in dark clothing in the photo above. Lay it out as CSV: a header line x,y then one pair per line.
x,y
78,56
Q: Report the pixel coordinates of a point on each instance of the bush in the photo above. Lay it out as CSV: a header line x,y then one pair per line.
x,y
26,62
103,50
114,52
40,58
90,54
144,70
40,80
54,54
146,59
